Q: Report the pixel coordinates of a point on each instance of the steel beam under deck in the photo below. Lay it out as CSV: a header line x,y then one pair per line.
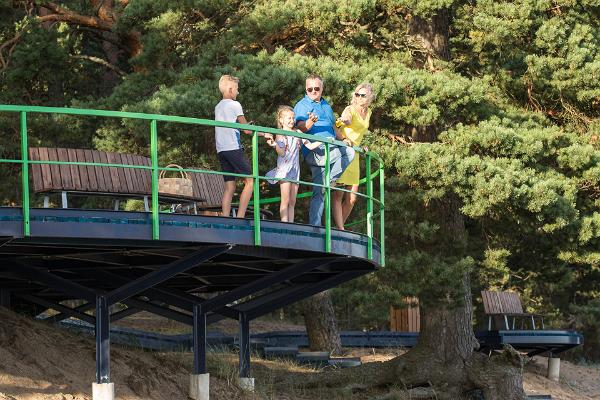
x,y
69,312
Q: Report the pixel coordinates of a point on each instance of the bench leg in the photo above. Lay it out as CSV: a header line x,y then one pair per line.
x,y
489,323
117,204
63,196
195,208
46,201
533,322
506,322
146,206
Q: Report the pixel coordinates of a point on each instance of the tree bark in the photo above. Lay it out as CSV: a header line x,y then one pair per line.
x,y
321,324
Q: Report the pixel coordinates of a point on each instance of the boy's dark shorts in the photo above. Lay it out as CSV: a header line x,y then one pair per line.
x,y
234,161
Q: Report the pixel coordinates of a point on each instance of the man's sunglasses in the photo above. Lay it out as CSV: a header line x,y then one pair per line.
x,y
363,95
310,89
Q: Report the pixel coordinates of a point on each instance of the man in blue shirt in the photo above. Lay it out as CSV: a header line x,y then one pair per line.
x,y
314,116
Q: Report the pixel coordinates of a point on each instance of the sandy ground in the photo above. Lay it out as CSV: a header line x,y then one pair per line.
x,y
41,362
152,323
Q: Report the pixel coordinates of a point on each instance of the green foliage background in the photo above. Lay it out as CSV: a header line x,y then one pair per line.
x,y
518,105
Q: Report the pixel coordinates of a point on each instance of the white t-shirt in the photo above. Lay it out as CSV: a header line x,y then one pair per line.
x,y
227,138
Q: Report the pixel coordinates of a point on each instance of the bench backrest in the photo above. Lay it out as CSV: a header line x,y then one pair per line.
x,y
501,302
82,178
208,188
406,319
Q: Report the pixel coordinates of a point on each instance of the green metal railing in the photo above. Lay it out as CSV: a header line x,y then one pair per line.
x,y
375,206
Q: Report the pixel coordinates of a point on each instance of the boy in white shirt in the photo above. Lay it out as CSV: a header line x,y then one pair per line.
x,y
229,147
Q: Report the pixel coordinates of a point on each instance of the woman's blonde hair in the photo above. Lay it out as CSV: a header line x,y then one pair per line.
x,y
280,111
370,95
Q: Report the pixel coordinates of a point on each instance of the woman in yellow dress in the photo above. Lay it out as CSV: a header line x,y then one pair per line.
x,y
353,123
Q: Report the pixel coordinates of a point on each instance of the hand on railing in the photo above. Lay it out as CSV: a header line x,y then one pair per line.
x,y
311,145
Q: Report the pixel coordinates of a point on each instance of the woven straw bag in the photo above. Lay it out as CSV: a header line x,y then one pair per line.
x,y
181,186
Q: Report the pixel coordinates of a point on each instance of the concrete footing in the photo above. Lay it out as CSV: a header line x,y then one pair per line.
x,y
103,391
553,368
199,386
246,384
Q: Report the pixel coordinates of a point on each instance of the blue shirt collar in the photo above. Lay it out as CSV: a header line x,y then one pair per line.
x,y
308,99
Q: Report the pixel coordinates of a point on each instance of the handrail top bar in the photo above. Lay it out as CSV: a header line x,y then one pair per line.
x,y
178,119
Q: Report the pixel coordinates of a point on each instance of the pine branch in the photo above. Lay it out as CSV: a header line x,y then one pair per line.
x,y
101,62
65,15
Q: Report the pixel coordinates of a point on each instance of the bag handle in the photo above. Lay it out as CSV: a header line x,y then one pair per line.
x,y
184,174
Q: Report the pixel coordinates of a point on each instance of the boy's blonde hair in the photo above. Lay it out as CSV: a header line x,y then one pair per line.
x,y
280,111
226,81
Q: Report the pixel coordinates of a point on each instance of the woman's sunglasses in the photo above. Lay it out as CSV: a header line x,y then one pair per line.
x,y
310,89
363,95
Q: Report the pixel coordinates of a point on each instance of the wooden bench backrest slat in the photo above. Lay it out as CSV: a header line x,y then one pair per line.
x,y
130,174
74,169
83,170
104,171
112,171
65,171
91,172
54,169
144,174
501,302
101,176
36,169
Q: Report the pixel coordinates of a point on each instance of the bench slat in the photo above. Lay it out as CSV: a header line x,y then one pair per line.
x,y
83,170
74,169
129,182
130,174
91,171
106,172
36,169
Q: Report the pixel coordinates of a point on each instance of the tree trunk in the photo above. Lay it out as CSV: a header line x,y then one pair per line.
x,y
321,324
445,356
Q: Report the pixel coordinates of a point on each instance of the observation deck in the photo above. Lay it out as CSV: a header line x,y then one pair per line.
x,y
196,269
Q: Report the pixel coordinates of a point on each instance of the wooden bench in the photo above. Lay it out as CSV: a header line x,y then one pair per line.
x,y
117,182
406,319
503,306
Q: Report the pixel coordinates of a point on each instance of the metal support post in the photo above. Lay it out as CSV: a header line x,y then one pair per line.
x,y
25,173
255,189
244,346
102,341
154,158
199,332
5,298
327,199
369,207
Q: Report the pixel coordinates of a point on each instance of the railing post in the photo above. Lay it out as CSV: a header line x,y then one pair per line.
x,y
381,214
369,207
25,174
255,189
154,158
327,199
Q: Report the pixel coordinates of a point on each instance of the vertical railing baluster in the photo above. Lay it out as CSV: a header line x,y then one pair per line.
x,y
381,214
369,207
327,204
256,189
25,174
154,158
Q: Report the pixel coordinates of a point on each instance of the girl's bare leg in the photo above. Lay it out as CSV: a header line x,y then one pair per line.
x,y
285,200
336,200
292,201
349,202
